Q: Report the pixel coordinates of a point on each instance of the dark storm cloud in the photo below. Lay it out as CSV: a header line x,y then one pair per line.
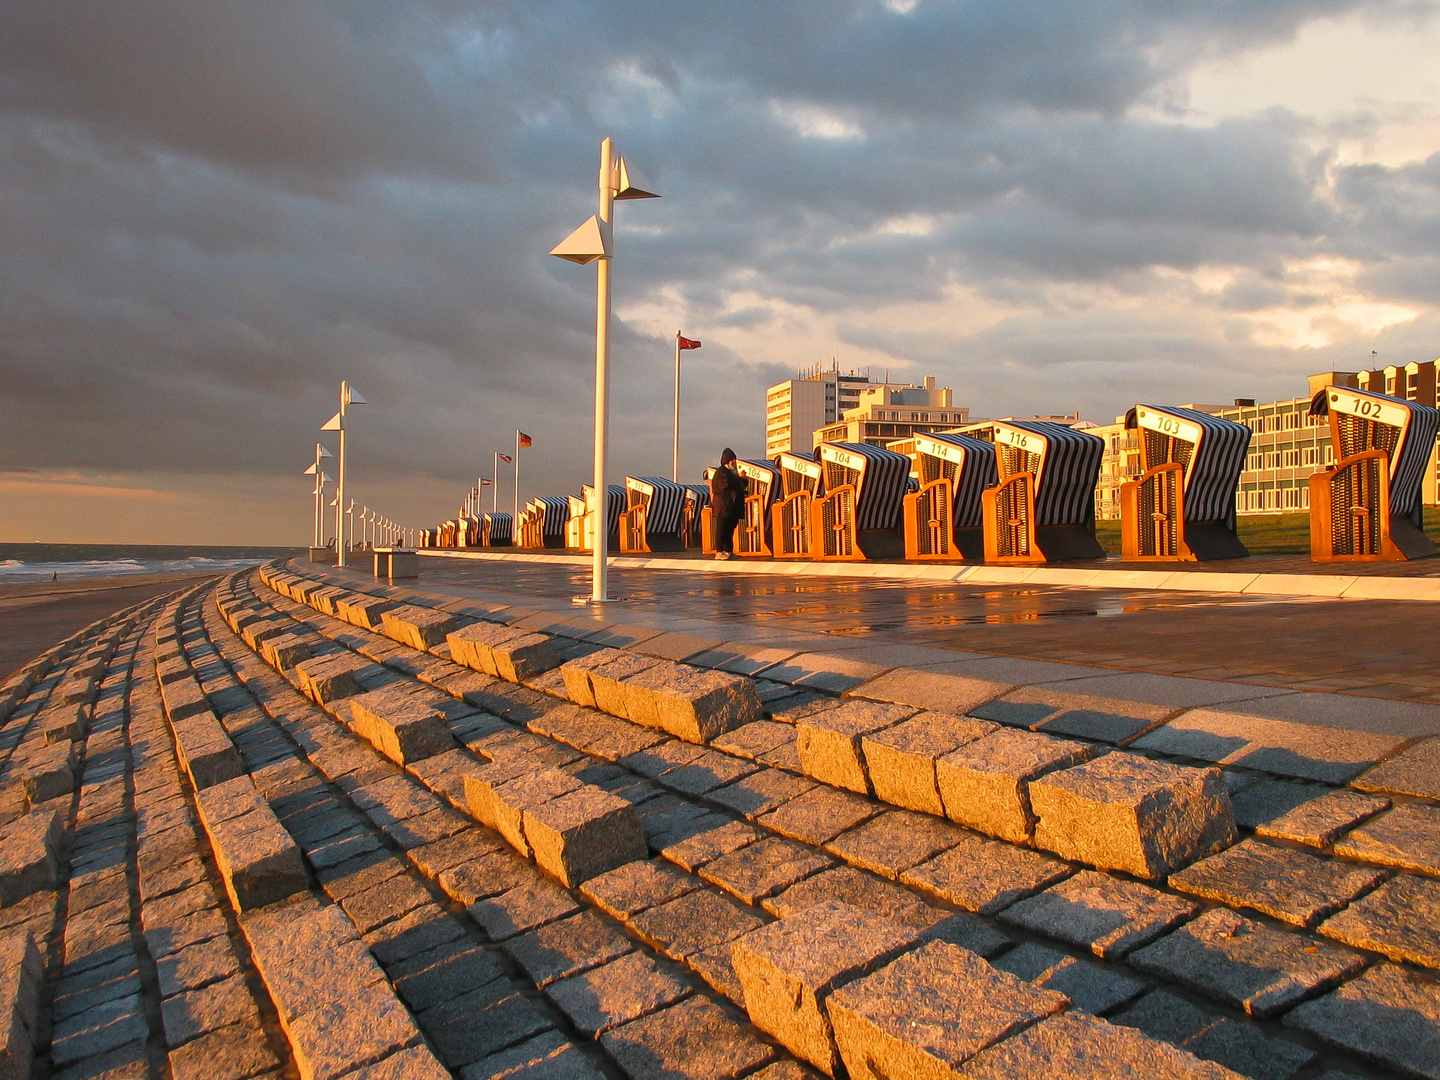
x,y
212,212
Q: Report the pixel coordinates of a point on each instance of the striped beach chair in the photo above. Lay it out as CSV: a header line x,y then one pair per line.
x,y
858,517
942,515
1182,506
496,530
653,509
695,517
1366,507
1043,508
801,481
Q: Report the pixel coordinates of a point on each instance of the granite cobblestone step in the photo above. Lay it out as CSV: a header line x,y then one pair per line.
x,y
1125,922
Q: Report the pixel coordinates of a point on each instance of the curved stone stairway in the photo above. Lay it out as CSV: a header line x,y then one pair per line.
x,y
329,832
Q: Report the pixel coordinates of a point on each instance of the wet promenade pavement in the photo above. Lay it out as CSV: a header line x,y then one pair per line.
x,y
1378,648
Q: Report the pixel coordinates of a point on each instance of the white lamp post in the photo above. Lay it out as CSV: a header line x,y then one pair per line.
x,y
594,242
348,396
320,481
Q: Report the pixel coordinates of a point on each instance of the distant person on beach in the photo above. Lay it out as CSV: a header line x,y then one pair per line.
x,y
727,503
54,575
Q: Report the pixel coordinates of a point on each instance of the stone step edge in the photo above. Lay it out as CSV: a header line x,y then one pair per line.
x,y
1148,863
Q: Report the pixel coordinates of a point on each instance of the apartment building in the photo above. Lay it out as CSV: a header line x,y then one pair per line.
x,y
796,408
889,411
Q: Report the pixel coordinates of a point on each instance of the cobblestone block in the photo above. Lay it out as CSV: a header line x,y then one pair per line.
x,y
503,652
549,1056
1245,963
1284,883
929,1011
49,772
954,694
567,947
623,990
420,628
481,782
690,703
193,1013
583,833
1317,821
1400,919
819,815
697,849
1085,716
1212,1037
533,788
29,855
284,651
692,923
1080,1047
755,738
363,611
789,968
77,688
97,1031
1233,735
985,876
576,675
594,732
1407,837
608,685
329,678
1106,915
762,869
205,751
1389,1015
412,1063
209,961
63,723
895,841
829,742
233,1053
709,771
986,784
1125,812
901,760
693,1038
403,727
524,907
760,792
1088,986
22,975
258,861
626,891
846,885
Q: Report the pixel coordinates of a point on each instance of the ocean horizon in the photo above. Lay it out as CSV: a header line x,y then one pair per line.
x,y
42,562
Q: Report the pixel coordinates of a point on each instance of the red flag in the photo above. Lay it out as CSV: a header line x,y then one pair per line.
x,y
507,459
686,343
525,440
485,483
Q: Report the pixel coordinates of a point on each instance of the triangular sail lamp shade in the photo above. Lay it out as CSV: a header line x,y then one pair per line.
x,y
352,396
589,242
335,423
632,185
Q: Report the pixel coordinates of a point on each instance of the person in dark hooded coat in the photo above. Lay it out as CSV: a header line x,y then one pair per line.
x,y
727,503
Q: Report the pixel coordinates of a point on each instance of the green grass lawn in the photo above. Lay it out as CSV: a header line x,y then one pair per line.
x,y
1263,534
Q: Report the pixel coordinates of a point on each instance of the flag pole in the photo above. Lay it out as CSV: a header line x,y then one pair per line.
x,y
675,435
495,495
517,474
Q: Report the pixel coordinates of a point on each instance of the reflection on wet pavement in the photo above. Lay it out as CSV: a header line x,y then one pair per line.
x,y
1373,647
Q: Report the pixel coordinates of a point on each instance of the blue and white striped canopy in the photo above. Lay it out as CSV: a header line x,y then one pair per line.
x,y
498,527
697,496
1216,462
1418,429
880,488
667,500
556,511
1069,468
977,472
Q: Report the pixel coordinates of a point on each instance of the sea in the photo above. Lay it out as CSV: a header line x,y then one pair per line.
x,y
67,562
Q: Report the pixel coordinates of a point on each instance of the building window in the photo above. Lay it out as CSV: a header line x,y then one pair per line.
x,y
1307,456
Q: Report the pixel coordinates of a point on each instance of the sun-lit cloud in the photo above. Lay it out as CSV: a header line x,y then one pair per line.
x,y
212,215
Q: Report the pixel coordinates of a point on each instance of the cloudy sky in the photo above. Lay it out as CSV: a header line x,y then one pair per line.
x,y
212,212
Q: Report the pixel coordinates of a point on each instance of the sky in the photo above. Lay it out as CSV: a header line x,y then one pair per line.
x,y
211,213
